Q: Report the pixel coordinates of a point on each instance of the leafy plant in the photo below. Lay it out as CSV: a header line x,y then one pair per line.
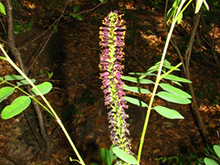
x,y
211,153
211,156
19,28
75,13
22,102
107,156
110,65
112,41
155,3
50,75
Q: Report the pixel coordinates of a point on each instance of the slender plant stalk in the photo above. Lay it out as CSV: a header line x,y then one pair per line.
x,y
157,81
46,102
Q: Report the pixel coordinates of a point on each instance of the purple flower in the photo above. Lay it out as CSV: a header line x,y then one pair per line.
x,y
112,42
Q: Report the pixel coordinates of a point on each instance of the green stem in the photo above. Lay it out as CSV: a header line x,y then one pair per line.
x,y
157,82
162,76
47,103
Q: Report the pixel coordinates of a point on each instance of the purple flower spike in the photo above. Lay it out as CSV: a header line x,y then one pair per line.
x,y
112,41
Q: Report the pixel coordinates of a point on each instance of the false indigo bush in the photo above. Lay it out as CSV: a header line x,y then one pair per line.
x,y
112,41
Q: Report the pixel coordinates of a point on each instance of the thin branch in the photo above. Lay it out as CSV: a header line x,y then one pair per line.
x,y
211,43
54,23
11,41
3,26
16,53
188,53
3,41
89,10
42,49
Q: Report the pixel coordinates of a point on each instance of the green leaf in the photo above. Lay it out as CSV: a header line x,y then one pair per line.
x,y
176,78
137,80
176,3
179,18
5,92
170,14
177,83
147,74
16,107
55,28
44,88
198,5
206,151
162,159
142,75
13,77
25,82
136,89
200,161
123,156
166,63
210,148
135,101
1,78
27,26
217,150
17,27
154,68
168,113
173,98
102,1
76,8
111,153
174,90
76,16
41,71
209,161
50,75
2,9
214,157
104,154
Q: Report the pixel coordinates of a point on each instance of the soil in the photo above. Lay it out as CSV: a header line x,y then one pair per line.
x,y
72,55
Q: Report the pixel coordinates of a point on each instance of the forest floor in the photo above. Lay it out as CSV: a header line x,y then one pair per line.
x,y
72,55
